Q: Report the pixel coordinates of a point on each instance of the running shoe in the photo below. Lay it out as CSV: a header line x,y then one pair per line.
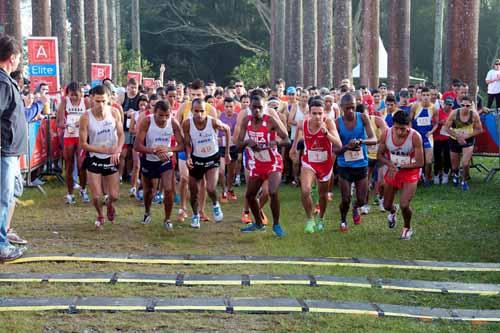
x,y
317,209
168,225
263,216
195,222
406,234
436,180
76,186
204,217
217,211
177,199
381,205
146,219
110,212
343,226
70,199
223,197
132,192
251,227
445,179
11,252
278,231
465,186
455,180
237,181
85,196
365,209
309,228
99,223
140,195
391,219
157,198
245,217
14,238
232,196
320,224
181,215
356,218
330,196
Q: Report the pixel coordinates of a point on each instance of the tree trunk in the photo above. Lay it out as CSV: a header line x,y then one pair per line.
x,y
325,43
288,41
79,72
60,30
342,49
91,34
3,16
369,48
398,67
437,70
117,76
463,25
113,41
296,53
103,31
40,16
13,22
310,42
136,27
278,12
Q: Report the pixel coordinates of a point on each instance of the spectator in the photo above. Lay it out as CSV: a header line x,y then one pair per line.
x,y
13,139
493,81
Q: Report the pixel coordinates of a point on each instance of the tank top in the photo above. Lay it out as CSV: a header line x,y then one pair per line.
x,y
186,110
388,119
204,142
318,149
372,150
262,136
231,122
102,132
158,136
299,116
352,158
403,154
73,114
422,121
129,103
462,127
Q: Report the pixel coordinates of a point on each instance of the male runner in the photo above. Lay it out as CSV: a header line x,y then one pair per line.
x,y
154,141
101,136
228,117
202,152
400,149
319,134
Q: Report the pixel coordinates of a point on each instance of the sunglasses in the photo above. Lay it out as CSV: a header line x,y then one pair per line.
x,y
497,64
466,105
239,86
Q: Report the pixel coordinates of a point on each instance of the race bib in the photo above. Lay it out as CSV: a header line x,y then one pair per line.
x,y
317,156
373,148
399,160
206,149
462,131
263,156
72,120
353,155
423,121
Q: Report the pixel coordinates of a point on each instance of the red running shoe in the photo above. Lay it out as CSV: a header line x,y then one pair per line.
x,y
110,212
356,218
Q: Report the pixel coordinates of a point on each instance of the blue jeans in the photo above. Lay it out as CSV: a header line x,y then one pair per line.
x,y
9,169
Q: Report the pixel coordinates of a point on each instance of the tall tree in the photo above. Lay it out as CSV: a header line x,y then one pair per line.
x,y
278,13
136,27
342,50
113,42
398,68
438,45
3,15
310,42
13,20
325,43
463,32
78,61
103,31
91,34
116,76
370,47
59,29
289,37
296,52
40,15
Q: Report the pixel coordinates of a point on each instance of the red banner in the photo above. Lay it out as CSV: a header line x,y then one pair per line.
x,y
148,82
38,148
43,62
136,75
99,73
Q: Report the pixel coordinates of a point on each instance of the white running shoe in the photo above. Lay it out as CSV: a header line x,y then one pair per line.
x,y
168,225
406,234
195,221
85,196
218,215
70,199
147,219
445,179
76,186
365,209
381,205
436,180
132,192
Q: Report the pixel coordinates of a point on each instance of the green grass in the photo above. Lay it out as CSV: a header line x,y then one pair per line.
x,y
450,225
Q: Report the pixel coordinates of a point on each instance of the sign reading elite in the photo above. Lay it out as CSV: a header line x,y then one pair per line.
x,y
43,62
99,73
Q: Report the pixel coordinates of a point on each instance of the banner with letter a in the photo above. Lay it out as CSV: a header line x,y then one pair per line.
x,y
43,62
99,73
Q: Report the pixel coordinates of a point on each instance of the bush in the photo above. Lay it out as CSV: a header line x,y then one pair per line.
x,y
254,70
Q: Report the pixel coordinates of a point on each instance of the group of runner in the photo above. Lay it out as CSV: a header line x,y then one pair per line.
x,y
367,141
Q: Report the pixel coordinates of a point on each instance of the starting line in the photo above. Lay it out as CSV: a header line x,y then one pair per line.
x,y
242,305
181,279
262,260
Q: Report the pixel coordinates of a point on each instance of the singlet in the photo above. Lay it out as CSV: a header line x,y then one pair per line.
x,y
231,122
73,114
352,158
422,120
372,149
102,132
317,147
262,136
129,103
440,134
388,119
158,136
462,127
186,111
403,154
204,142
299,115
405,108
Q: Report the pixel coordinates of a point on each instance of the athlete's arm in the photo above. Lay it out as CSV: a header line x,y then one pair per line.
x,y
372,139
213,112
419,153
179,116
178,136
413,110
139,145
242,143
298,136
435,121
380,123
239,119
133,124
332,134
187,143
61,117
449,122
382,149
291,115
476,123
278,127
219,125
119,132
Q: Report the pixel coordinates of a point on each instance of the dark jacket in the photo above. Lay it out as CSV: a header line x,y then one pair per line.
x,y
14,127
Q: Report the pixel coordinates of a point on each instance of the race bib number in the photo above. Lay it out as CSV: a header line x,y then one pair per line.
x,y
263,156
423,121
400,160
206,149
73,120
462,131
353,155
317,156
373,148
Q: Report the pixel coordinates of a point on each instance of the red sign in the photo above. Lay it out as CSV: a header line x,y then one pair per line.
x,y
136,75
148,82
43,60
99,73
50,80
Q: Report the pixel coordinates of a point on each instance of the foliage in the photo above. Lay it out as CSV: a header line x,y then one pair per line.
x,y
254,71
131,61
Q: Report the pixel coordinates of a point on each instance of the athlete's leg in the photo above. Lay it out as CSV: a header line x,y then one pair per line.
x,y
211,177
274,181
345,193
82,173
111,186
466,158
194,185
407,193
123,158
69,157
230,175
95,185
222,174
361,192
202,193
253,187
389,194
148,185
135,169
307,177
168,192
428,163
264,194
183,184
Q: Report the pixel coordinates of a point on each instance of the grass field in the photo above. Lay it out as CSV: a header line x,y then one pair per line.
x,y
450,225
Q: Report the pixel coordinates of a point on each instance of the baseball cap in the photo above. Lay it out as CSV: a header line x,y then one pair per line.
x,y
291,90
449,100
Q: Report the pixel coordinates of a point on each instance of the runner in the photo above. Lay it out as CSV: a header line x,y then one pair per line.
x,y
400,149
356,133
142,112
68,118
442,163
202,152
320,135
463,125
101,136
155,141
297,113
262,161
228,117
404,103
